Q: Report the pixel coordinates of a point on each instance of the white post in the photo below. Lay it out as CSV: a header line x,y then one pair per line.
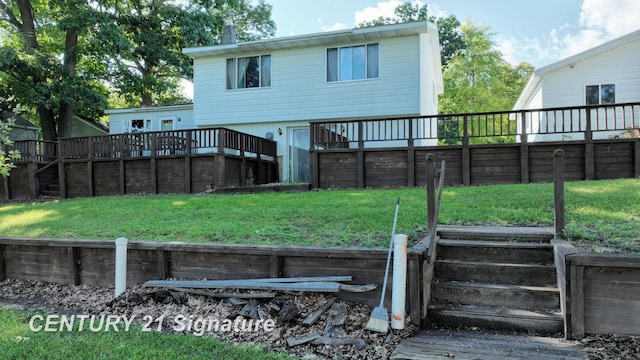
x,y
398,294
121,265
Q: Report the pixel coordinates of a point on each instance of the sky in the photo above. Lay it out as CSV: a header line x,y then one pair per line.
x,y
539,32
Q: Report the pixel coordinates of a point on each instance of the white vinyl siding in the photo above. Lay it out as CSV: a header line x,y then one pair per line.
x,y
299,90
619,66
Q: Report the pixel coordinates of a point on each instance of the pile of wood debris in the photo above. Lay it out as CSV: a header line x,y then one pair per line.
x,y
309,325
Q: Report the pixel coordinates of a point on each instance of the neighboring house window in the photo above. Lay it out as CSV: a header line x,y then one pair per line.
x,y
137,125
600,94
353,63
249,72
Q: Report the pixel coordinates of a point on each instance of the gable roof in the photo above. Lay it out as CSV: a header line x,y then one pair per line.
x,y
92,123
537,76
317,39
20,121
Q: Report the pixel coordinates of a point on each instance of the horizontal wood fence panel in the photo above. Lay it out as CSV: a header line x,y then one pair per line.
x,y
605,296
41,263
385,169
613,160
217,266
338,170
203,170
170,175
541,162
106,178
77,179
451,156
19,182
97,266
137,177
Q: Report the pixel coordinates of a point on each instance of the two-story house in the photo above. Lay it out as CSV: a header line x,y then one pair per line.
x,y
274,88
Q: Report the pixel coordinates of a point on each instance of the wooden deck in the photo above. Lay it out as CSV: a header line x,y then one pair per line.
x,y
459,344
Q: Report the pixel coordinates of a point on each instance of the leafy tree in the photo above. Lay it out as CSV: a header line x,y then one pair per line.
x,y
37,35
7,157
139,43
478,79
57,57
449,35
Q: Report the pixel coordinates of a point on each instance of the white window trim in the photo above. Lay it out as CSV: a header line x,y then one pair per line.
x,y
366,62
235,73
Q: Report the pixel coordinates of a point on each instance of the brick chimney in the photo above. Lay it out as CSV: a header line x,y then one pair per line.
x,y
228,33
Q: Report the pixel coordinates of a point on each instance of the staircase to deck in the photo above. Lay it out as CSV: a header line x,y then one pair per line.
x,y
495,278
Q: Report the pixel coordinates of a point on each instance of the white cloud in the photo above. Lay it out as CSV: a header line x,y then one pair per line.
x,y
385,9
334,27
599,21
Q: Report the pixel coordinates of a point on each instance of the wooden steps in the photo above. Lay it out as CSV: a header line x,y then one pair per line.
x,y
455,344
495,278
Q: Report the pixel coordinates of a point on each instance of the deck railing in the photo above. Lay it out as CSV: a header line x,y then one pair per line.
x,y
552,124
176,142
36,151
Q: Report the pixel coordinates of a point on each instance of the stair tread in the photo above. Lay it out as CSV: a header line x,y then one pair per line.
x,y
493,243
463,284
493,230
497,311
547,265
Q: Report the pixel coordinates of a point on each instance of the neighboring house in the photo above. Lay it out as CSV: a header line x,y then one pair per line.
x,y
605,74
23,129
273,88
87,127
154,118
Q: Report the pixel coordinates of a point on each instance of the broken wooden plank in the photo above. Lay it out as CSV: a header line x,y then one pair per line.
x,y
314,316
308,279
236,296
236,301
248,285
337,315
301,340
288,312
248,309
324,340
357,288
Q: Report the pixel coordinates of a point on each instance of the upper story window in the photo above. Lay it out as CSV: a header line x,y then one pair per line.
x,y
249,72
353,63
600,94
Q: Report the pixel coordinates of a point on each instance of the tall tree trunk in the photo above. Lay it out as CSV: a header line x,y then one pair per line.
x,y
48,124
65,122
28,26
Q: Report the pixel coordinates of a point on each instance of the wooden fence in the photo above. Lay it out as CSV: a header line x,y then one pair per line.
x,y
479,149
89,262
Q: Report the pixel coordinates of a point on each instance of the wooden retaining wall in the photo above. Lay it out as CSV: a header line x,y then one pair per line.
x,y
90,262
600,293
475,164
144,175
604,293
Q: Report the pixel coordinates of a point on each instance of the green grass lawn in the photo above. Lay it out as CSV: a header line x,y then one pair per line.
x,y
17,341
596,212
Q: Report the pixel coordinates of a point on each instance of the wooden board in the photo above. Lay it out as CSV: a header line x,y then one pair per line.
x,y
36,263
105,178
138,177
170,175
385,168
77,179
337,170
191,265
